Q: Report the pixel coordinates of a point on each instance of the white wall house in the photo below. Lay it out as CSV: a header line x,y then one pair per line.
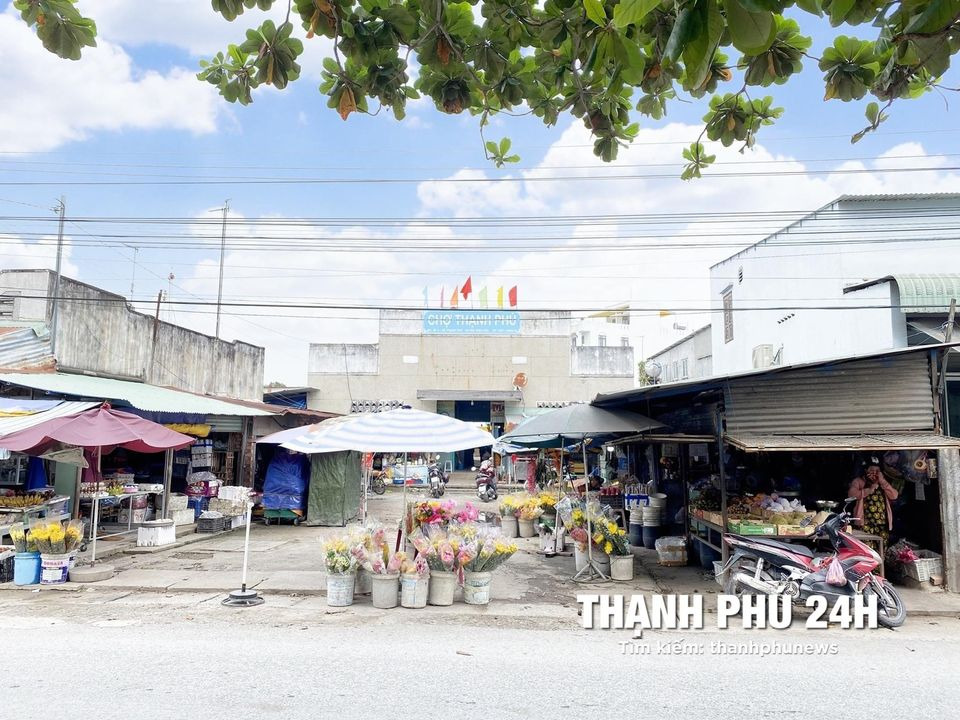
x,y
687,359
807,292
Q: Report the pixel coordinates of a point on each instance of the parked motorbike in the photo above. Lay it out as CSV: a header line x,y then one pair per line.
x,y
377,485
438,480
761,565
486,480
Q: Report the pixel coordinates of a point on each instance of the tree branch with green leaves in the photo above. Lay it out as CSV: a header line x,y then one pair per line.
x,y
604,62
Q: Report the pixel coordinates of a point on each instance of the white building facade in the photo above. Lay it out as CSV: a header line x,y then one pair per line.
x,y
808,292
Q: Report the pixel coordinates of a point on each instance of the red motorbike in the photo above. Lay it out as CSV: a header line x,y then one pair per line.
x,y
760,565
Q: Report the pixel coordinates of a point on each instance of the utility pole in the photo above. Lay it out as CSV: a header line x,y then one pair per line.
x,y
133,274
55,312
156,329
223,253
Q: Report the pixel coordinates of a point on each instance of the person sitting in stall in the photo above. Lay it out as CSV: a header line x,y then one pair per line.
x,y
873,494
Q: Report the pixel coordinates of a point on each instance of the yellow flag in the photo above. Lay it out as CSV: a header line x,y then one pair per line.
x,y
500,297
454,300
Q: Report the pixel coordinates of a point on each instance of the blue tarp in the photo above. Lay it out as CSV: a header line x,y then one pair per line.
x,y
285,485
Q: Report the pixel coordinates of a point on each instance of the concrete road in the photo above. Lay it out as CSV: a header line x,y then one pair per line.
x,y
182,656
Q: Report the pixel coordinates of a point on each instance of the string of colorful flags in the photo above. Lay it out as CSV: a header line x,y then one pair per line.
x,y
465,290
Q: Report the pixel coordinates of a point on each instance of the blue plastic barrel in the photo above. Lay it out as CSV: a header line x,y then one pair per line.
x,y
636,534
26,568
707,556
650,535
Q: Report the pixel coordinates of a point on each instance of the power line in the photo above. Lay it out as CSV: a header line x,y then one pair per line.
x,y
459,180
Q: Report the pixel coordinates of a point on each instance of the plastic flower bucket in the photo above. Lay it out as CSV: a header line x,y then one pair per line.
x,y
54,568
621,567
26,568
476,587
386,590
442,587
508,526
526,528
340,589
414,591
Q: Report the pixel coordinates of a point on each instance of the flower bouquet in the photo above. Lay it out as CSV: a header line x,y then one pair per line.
x,y
414,582
480,553
439,550
19,535
52,538
339,558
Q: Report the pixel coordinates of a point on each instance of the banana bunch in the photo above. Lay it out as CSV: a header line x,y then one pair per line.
x,y
22,501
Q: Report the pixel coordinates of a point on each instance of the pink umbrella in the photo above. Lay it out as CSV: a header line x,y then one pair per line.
x,y
98,429
101,427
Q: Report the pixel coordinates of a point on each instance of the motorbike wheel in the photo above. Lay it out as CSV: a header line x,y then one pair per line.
x,y
379,487
890,610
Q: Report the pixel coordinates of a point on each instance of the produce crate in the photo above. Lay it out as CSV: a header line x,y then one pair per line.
x,y
795,530
212,525
712,516
754,529
927,565
6,566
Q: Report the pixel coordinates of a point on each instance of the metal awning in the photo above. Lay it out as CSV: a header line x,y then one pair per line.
x,y
150,398
29,413
760,442
477,395
930,293
685,438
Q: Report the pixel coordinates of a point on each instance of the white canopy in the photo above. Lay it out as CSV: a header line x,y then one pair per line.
x,y
398,431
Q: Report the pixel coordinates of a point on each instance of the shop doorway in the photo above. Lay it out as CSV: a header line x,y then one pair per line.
x,y
471,411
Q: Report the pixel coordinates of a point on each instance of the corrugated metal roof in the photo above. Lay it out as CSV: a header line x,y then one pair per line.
x,y
16,423
761,442
150,398
23,348
688,387
886,394
898,196
926,293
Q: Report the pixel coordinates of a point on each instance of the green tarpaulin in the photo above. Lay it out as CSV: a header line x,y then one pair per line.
x,y
335,488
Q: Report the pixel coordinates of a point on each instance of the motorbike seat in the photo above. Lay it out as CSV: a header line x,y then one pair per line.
x,y
798,548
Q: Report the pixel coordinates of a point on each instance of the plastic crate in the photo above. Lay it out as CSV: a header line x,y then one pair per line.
x,y
212,525
6,567
927,565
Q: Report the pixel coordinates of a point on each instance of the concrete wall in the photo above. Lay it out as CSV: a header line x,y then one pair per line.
x,y
599,361
782,273
110,338
408,363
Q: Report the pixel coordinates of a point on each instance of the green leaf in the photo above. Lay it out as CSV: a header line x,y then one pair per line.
x,y
937,15
680,35
631,12
595,12
492,147
751,32
698,51
872,112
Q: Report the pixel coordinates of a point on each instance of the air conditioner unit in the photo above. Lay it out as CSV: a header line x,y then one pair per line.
x,y
762,357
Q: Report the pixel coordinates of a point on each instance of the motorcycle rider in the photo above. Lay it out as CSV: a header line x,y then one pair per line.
x,y
487,474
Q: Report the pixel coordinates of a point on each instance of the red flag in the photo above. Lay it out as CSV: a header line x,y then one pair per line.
x,y
467,288
513,296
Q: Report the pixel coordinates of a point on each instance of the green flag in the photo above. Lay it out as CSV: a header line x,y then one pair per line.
x,y
483,297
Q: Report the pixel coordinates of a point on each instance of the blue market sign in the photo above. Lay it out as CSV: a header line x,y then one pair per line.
x,y
471,322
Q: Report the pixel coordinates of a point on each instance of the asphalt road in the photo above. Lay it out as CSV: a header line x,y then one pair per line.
x,y
153,656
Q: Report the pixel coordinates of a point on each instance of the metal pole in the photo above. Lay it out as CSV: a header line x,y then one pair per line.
x,y
246,546
97,481
167,477
133,274
55,312
724,551
223,252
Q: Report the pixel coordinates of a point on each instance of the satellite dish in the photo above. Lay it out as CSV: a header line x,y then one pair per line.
x,y
520,381
652,369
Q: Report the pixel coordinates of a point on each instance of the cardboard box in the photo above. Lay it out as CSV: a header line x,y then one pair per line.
x,y
795,530
744,528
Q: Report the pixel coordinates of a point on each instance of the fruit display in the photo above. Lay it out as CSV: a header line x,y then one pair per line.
x,y
22,501
708,499
739,506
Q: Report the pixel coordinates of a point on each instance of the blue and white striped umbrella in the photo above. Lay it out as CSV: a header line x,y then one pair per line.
x,y
396,431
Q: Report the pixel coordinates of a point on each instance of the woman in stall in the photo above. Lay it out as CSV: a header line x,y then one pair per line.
x,y
873,494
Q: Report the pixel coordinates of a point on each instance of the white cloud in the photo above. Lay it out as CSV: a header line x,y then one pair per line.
x,y
51,101
19,254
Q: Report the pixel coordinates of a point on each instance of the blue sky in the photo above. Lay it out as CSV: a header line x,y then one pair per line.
x,y
133,103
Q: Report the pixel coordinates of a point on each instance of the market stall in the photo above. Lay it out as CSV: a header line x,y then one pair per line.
x,y
98,431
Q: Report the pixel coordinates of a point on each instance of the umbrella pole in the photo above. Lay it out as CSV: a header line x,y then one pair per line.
x,y
97,480
244,597
591,571
365,479
403,518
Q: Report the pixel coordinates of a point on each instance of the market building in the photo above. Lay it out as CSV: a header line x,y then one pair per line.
x,y
485,366
804,432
